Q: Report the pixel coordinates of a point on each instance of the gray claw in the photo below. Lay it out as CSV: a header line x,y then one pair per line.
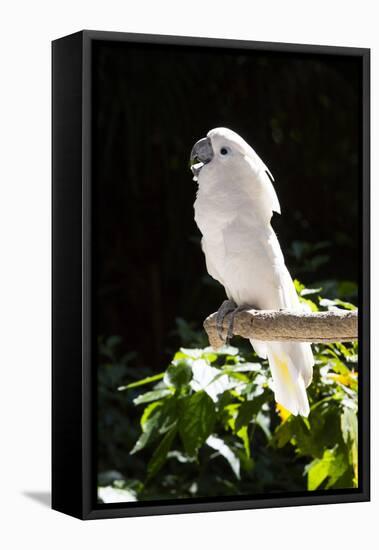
x,y
226,307
236,310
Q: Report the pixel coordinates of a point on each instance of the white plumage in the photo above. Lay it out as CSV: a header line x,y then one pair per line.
x,y
233,209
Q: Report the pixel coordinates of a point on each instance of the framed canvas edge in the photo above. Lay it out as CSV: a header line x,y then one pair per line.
x,y
67,318
88,506
364,462
180,40
229,506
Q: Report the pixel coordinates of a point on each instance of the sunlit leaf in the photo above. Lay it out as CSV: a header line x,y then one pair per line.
x,y
346,305
209,379
110,495
332,465
158,417
153,395
263,421
243,434
219,445
142,382
309,291
192,353
310,305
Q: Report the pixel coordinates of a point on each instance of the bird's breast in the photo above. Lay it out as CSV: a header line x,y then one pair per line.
x,y
218,205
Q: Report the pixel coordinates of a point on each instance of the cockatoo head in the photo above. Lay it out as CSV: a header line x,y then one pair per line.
x,y
224,161
222,152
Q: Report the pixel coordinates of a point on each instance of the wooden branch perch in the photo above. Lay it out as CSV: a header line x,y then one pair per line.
x,y
285,325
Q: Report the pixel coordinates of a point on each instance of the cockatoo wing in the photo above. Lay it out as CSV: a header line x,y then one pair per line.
x,y
268,198
275,206
210,265
291,363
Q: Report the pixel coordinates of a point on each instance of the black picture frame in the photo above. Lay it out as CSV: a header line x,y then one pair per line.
x,y
73,426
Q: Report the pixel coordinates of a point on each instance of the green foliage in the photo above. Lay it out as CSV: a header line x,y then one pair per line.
x,y
196,421
210,424
116,428
309,256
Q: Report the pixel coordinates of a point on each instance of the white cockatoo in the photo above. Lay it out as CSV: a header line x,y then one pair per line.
x,y
233,208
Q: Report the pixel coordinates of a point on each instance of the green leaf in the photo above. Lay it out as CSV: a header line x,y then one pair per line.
x,y
236,375
178,375
349,428
320,431
312,306
346,305
318,471
246,367
309,291
338,467
157,418
263,421
340,367
209,356
249,409
244,436
159,456
142,382
206,353
151,411
196,421
210,379
333,464
325,302
219,445
110,495
153,395
169,417
142,441
192,353
149,423
228,350
299,287
247,463
284,433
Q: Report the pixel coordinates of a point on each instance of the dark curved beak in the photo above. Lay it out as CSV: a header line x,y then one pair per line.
x,y
202,151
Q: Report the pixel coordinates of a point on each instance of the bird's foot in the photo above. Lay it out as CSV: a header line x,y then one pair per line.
x,y
226,307
230,308
236,310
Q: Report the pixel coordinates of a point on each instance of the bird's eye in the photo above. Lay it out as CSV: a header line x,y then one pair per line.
x,y
224,151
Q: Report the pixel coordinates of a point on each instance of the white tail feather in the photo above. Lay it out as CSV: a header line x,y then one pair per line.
x,y
290,379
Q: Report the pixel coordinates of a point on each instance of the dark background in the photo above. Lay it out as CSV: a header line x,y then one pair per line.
x,y
300,112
